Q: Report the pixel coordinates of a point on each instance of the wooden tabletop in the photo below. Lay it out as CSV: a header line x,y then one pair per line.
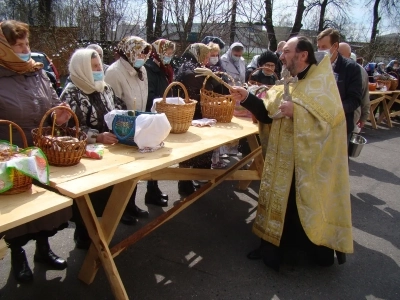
x,y
121,162
21,208
382,92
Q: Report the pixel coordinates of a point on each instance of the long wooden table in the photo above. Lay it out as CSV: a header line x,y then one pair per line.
x,y
123,166
21,208
387,98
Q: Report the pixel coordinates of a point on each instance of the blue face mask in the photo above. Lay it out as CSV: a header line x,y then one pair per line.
x,y
166,60
24,56
139,63
98,75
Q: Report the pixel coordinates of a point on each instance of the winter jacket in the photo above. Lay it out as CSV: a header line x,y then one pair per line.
x,y
157,81
24,99
124,80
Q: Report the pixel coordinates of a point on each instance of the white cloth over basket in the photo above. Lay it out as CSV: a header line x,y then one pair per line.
x,y
151,130
170,100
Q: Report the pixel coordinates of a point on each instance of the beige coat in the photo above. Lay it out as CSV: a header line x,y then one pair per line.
x,y
124,80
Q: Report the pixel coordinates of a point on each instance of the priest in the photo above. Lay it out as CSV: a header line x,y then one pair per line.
x,y
304,198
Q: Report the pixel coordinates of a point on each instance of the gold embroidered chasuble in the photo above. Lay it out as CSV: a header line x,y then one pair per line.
x,y
313,146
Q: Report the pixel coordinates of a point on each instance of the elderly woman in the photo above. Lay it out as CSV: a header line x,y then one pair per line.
x,y
195,56
25,96
90,98
128,77
214,62
101,54
234,64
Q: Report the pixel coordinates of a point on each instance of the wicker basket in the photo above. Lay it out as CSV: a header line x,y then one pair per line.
x,y
60,153
180,116
382,83
216,106
253,82
21,182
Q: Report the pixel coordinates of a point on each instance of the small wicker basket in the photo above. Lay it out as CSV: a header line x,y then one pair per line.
x,y
21,182
381,83
60,153
180,116
253,82
217,106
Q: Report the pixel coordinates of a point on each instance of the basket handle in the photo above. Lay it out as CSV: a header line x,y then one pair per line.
x,y
21,132
173,84
53,109
261,68
218,73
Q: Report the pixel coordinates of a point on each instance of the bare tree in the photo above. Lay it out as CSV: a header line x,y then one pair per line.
x,y
270,26
390,8
298,19
233,22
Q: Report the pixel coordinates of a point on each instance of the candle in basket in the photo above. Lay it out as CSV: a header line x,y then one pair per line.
x,y
10,137
54,123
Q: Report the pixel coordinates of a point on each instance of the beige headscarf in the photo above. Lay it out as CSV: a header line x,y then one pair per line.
x,y
199,51
80,69
11,61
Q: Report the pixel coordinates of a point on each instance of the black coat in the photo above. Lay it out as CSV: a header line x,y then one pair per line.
x,y
157,82
349,82
260,77
193,84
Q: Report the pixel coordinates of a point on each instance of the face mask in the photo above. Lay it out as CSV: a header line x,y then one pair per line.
x,y
213,60
327,51
98,75
166,60
139,63
235,58
24,56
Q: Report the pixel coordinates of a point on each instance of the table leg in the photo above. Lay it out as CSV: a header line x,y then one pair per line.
x,y
101,233
386,113
257,164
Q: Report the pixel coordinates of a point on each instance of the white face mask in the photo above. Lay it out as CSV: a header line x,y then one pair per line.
x,y
327,51
213,60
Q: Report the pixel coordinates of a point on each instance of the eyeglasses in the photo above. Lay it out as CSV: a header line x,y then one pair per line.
x,y
271,66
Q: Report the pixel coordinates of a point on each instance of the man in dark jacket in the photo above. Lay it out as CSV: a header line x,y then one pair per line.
x,y
347,75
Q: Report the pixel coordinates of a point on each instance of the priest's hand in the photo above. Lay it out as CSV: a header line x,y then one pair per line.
x,y
106,138
286,108
238,93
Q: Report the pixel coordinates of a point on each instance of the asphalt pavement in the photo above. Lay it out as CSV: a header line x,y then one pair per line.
x,y
201,253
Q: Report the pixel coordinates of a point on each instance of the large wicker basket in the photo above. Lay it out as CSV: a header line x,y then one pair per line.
x,y
381,83
21,182
253,82
394,81
216,106
60,153
180,116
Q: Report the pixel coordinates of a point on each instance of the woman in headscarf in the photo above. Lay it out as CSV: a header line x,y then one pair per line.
x,y
128,77
234,64
195,56
215,62
26,94
90,98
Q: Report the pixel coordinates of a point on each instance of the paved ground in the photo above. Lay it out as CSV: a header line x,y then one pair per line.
x,y
201,253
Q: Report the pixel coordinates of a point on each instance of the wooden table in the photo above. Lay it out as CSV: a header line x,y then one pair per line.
x,y
123,166
382,96
21,208
390,100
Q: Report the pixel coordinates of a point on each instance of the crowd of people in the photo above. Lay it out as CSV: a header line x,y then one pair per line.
x,y
319,221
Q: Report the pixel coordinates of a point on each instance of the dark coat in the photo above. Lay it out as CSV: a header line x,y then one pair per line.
x,y
349,82
260,77
157,82
193,84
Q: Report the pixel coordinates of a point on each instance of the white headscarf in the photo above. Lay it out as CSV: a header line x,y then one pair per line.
x,y
80,69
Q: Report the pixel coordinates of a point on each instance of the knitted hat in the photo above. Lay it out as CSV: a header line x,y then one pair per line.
x,y
267,56
80,69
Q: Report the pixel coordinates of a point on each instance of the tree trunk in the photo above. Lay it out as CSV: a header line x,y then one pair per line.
x,y
103,21
159,19
270,26
375,22
150,20
233,23
44,13
321,22
299,18
189,23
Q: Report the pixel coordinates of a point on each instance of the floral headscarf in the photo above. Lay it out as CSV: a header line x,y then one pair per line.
x,y
160,48
199,51
11,61
132,46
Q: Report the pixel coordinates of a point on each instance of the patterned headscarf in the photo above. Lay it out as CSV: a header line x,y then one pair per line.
x,y
199,51
132,46
160,48
11,61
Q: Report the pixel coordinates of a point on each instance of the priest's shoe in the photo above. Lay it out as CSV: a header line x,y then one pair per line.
x,y
20,266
